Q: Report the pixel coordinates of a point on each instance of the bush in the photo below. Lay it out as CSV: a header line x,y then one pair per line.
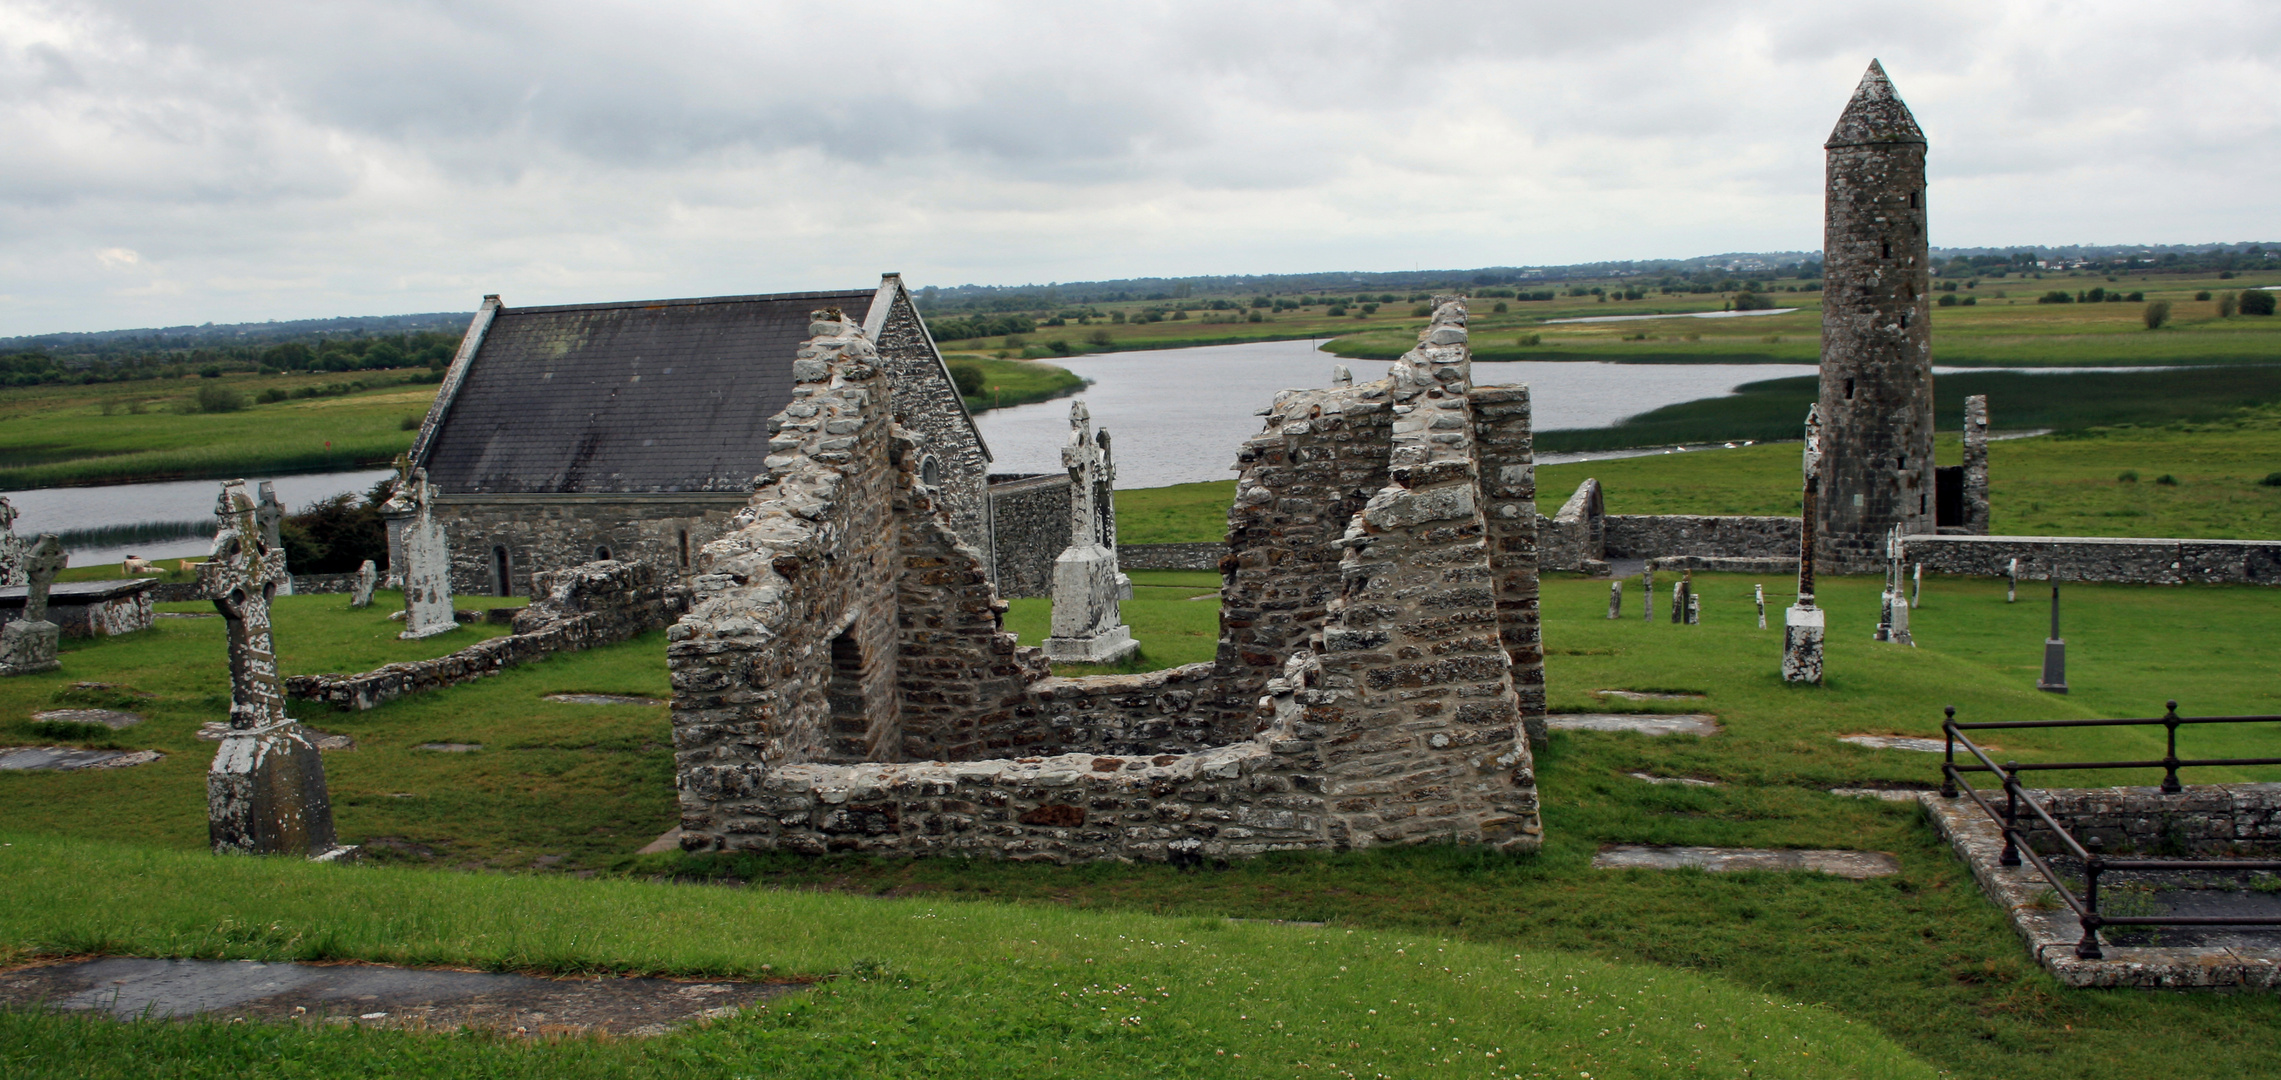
x,y
2203,295
2272,479
2166,480
968,379
2256,302
1100,339
1529,341
1422,311
1750,301
216,398
1971,301
1500,308
2055,296
2136,298
1336,311
1060,347
2226,302
1947,299
271,396
2157,314
409,423
2129,476
336,535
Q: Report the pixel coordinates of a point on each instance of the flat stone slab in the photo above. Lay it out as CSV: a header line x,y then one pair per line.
x,y
376,996
110,718
1898,742
1647,695
69,758
1688,780
213,730
1643,723
450,747
1887,794
1850,864
603,699
2051,930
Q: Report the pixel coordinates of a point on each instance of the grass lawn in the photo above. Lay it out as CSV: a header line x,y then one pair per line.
x,y
1174,613
107,433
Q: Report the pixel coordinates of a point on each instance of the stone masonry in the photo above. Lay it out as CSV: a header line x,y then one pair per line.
x,y
1876,376
842,681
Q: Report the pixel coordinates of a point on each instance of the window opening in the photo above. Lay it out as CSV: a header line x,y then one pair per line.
x,y
1849,389
845,694
1888,250
602,553
685,549
502,580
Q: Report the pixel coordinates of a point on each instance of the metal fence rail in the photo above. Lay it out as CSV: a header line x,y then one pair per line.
x,y
2086,906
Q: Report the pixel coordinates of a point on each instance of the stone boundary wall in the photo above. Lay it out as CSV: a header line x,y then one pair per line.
x,y
2204,820
177,592
1171,556
1650,536
582,607
2095,558
1576,537
1029,524
1713,564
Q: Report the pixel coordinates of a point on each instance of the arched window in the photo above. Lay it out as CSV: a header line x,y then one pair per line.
x,y
602,553
930,471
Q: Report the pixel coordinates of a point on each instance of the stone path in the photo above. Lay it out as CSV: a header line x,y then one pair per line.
x,y
1851,864
1643,723
607,699
68,758
213,730
110,718
377,996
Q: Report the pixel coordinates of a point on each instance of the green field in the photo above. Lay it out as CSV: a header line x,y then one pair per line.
x,y
1007,383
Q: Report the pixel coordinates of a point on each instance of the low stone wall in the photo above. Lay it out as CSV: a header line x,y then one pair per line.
x,y
2205,819
2095,558
1651,536
1715,564
174,592
1576,537
583,607
1171,556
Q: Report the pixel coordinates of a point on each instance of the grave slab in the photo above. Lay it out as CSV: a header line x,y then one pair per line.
x,y
1887,794
68,758
451,747
1650,724
606,699
1647,695
1851,864
376,996
1688,780
1899,742
110,718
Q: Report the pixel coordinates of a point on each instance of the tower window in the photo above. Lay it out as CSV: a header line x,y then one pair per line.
x,y
502,582
685,549
1849,389
602,553
1912,200
1888,250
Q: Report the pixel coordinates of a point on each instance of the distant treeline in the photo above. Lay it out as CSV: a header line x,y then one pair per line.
x,y
1776,408
428,349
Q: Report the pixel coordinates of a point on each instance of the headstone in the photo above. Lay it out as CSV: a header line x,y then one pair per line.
x,y
367,576
265,793
29,645
427,566
1678,602
2054,678
1916,586
1087,586
1893,612
1758,595
1694,608
1802,624
2012,581
1647,593
271,513
1616,599
11,546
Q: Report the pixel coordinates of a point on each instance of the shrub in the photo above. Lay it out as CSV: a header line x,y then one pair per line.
x,y
1016,341
1500,308
2055,296
2226,302
2225,275
216,398
1750,301
1948,299
2129,476
968,379
2157,313
2136,298
1179,315
1971,301
1422,311
2203,295
2272,479
1060,347
409,423
1529,341
1255,317
1336,311
2166,480
2256,302
1100,339
210,371
271,396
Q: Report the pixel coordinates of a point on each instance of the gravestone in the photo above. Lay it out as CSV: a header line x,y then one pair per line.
x,y
1616,599
427,565
1803,623
271,514
1917,587
366,577
28,645
1678,602
11,546
265,792
1893,610
1758,595
2054,678
1087,627
2012,581
1647,594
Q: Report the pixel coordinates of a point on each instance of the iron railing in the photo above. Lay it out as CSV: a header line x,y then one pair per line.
x,y
2086,906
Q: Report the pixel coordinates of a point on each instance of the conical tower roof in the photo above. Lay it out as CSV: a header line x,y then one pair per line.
x,y
1875,115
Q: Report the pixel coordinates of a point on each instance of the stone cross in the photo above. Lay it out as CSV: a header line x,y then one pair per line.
x,y
1893,610
265,792
366,577
30,644
1804,624
427,565
1087,627
271,514
11,546
1616,599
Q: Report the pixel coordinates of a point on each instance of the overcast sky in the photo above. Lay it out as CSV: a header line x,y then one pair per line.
x,y
167,162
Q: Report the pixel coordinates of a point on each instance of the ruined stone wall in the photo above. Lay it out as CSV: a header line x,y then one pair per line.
x,y
1030,525
1171,556
1650,536
2205,819
581,607
1976,465
2098,558
1576,537
553,532
928,406
1321,457
1504,446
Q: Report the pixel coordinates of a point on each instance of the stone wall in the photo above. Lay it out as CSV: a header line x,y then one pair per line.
x,y
1650,536
549,531
2205,819
926,403
1029,524
582,607
1576,538
1172,556
2098,558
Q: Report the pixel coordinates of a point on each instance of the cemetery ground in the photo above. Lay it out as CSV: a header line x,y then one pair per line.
x,y
481,859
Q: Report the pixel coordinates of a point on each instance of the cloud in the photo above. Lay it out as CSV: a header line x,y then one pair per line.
x,y
285,160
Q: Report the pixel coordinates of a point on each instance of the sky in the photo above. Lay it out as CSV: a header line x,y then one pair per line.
x,y
164,163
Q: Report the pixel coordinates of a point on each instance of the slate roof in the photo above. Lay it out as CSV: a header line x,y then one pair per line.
x,y
652,396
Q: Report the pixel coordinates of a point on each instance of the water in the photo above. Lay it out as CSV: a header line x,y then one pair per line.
x,y
1178,415
187,501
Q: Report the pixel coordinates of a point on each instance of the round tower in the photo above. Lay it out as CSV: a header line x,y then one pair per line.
x,y
1877,378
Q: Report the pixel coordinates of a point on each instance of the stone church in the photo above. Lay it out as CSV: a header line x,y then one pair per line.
x,y
636,430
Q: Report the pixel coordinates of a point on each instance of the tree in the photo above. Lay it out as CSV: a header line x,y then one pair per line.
x,y
2157,313
2225,305
2256,302
968,379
